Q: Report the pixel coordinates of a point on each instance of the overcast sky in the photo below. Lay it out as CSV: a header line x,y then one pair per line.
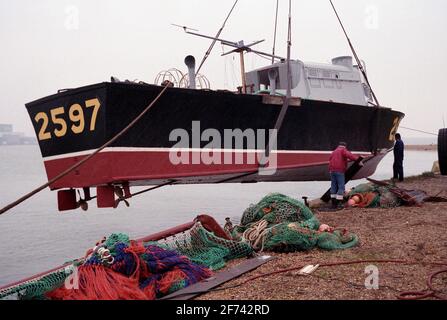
x,y
47,45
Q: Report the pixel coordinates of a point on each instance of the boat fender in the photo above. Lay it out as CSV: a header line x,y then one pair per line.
x,y
442,151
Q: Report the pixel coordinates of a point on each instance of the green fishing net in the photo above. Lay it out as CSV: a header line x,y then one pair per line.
x,y
203,247
289,226
282,224
277,208
292,237
363,188
198,244
384,198
36,288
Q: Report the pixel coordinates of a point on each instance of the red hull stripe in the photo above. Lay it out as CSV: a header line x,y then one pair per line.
x,y
109,167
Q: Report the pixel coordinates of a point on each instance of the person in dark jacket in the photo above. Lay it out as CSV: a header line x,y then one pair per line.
x,y
338,164
398,167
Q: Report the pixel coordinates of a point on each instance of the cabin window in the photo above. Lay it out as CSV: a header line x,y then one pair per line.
x,y
315,83
338,84
312,72
327,74
328,83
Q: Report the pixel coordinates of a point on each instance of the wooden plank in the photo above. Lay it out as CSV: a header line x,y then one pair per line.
x,y
279,100
218,279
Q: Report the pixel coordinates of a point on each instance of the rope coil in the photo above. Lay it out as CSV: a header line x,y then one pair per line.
x,y
255,235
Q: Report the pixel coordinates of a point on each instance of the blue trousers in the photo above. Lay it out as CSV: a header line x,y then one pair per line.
x,y
398,170
337,185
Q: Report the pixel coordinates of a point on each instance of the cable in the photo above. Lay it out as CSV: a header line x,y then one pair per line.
x,y
357,59
260,55
416,130
274,36
403,295
208,52
431,293
80,163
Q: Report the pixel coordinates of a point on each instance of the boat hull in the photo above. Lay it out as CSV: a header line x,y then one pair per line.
x,y
81,120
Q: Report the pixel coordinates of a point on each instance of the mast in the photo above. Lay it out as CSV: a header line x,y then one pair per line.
x,y
243,79
289,48
285,107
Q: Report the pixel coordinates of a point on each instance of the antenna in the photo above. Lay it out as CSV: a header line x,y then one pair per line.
x,y
240,46
185,28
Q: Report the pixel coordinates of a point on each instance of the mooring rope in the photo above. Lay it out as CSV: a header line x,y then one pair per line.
x,y
421,131
80,163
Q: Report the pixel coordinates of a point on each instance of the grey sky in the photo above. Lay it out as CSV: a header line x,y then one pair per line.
x,y
47,45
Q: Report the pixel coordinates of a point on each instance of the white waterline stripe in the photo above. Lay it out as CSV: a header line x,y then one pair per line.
x,y
130,149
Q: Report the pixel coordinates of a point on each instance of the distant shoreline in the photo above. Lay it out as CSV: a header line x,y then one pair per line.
x,y
431,147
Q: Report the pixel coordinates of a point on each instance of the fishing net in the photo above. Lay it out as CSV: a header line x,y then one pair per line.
x,y
374,196
276,208
282,224
119,268
36,288
363,188
203,247
132,270
184,259
292,237
388,199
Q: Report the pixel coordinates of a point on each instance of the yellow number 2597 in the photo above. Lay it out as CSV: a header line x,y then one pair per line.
x,y
76,116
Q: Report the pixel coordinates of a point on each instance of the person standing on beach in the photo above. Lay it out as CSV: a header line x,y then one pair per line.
x,y
338,165
398,166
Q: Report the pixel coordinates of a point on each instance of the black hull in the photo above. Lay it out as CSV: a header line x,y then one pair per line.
x,y
312,126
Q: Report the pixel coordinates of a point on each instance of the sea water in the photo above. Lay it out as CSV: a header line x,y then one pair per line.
x,y
35,237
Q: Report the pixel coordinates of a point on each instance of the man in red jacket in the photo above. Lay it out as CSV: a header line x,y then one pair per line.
x,y
338,164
